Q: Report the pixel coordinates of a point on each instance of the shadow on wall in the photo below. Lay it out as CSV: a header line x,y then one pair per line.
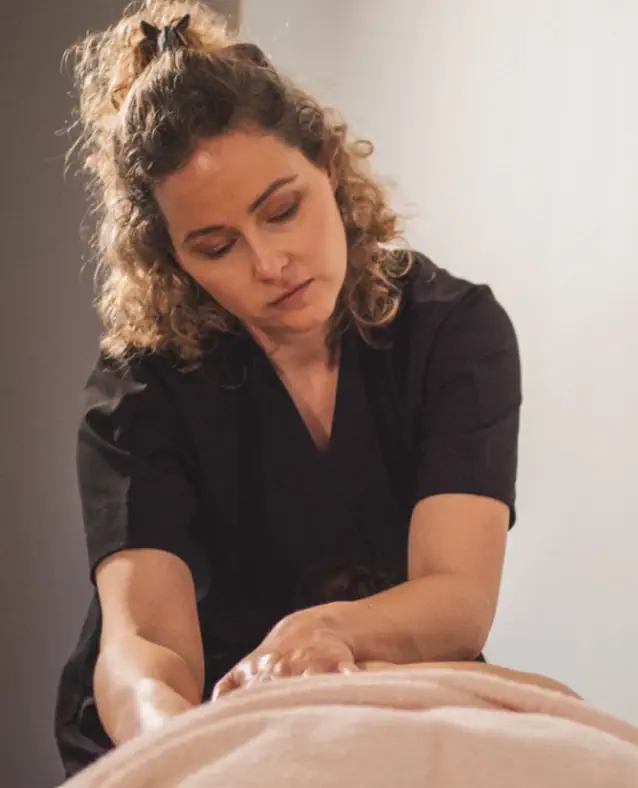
x,y
49,345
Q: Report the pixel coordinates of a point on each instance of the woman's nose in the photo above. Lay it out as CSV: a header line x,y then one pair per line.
x,y
268,261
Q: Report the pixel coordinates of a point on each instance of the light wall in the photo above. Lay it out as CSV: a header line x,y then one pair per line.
x,y
511,130
301,35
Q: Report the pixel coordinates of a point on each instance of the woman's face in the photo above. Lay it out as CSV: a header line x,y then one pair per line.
x,y
257,226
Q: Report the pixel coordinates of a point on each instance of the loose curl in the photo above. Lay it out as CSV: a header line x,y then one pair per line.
x,y
142,113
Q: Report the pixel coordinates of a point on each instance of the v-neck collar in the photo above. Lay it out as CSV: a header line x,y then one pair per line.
x,y
286,401
338,504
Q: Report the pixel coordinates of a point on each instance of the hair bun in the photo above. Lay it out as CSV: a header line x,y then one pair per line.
x,y
250,52
341,584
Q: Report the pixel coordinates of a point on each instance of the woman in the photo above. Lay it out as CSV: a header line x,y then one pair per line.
x,y
280,394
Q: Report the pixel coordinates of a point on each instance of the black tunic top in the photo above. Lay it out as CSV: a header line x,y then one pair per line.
x,y
216,466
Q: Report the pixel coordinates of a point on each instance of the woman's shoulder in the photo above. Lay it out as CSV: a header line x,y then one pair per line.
x,y
445,317
433,296
428,285
219,362
155,395
135,374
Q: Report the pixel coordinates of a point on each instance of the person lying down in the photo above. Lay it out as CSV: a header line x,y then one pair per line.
x,y
438,725
518,676
444,726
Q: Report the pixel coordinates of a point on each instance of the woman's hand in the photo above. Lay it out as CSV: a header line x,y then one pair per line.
x,y
305,643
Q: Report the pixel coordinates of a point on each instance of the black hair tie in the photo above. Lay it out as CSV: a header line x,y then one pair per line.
x,y
170,37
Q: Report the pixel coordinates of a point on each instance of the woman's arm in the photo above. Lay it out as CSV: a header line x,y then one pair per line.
x,y
465,461
533,679
150,666
463,492
445,610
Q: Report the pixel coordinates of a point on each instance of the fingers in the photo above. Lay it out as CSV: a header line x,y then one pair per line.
x,y
225,685
256,667
348,667
259,668
304,664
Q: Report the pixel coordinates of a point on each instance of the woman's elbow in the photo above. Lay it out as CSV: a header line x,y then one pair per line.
x,y
475,627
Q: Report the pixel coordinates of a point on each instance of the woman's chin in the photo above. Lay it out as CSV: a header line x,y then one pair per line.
x,y
309,315
309,319
289,329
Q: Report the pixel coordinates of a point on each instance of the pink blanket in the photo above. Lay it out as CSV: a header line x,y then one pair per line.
x,y
428,728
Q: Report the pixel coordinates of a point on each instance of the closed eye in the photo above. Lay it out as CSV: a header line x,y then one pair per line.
x,y
215,254
279,218
289,213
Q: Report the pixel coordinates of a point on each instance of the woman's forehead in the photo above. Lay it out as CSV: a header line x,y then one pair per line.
x,y
230,170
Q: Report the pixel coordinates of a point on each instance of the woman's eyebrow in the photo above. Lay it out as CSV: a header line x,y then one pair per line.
x,y
213,228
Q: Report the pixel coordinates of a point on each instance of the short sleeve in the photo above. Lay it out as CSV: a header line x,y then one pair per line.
x,y
133,466
468,422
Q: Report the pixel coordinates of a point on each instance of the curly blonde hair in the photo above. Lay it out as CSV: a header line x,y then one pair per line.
x,y
141,112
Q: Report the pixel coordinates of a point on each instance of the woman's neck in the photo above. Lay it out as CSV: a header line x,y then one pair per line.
x,y
296,352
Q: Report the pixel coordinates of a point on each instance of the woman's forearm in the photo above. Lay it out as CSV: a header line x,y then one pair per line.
x,y
435,618
140,685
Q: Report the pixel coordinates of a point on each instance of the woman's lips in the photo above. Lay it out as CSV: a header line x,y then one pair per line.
x,y
296,295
